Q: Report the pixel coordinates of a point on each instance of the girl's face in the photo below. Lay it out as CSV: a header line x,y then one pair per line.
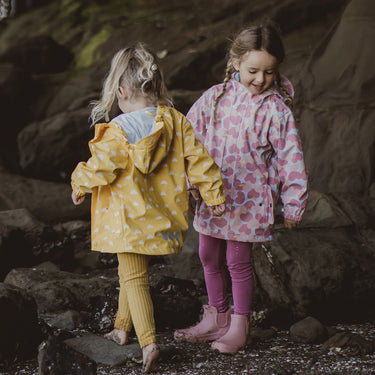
x,y
257,70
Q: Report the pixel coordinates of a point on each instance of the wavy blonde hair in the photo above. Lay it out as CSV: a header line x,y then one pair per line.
x,y
255,38
137,69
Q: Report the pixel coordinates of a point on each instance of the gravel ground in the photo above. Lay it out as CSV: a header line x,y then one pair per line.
x,y
277,355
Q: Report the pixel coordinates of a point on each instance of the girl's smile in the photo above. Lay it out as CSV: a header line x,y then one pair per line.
x,y
257,70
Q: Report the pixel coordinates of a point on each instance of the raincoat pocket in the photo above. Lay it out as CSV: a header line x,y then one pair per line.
x,y
268,204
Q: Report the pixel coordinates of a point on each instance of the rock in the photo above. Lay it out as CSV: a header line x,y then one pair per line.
x,y
16,87
58,291
22,219
357,344
57,358
360,209
337,104
324,211
322,272
309,331
20,332
71,94
41,242
68,320
55,292
175,311
43,145
39,54
47,201
84,259
262,334
15,249
101,350
47,266
172,286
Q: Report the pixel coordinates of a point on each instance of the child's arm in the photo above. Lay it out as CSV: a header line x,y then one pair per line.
x,y
108,156
201,170
291,168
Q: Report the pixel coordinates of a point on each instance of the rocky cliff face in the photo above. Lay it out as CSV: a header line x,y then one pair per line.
x,y
337,118
53,60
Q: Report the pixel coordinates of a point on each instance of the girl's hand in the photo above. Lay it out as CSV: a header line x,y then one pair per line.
x,y
290,224
216,210
77,200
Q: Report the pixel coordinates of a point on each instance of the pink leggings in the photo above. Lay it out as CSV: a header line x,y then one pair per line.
x,y
238,255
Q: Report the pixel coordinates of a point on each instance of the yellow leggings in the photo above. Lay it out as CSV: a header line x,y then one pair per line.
x,y
135,304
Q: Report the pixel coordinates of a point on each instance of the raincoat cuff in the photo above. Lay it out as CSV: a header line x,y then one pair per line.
x,y
215,202
76,190
292,216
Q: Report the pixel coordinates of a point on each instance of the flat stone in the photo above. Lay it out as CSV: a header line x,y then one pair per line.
x,y
105,351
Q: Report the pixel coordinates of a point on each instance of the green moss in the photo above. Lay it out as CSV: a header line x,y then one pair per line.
x,y
86,56
69,7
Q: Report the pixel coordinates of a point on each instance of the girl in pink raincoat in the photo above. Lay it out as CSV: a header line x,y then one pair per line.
x,y
248,128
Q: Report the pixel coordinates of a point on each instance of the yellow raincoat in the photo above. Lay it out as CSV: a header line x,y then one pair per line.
x,y
139,193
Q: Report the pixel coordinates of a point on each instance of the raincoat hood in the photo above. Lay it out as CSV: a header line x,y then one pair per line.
x,y
151,149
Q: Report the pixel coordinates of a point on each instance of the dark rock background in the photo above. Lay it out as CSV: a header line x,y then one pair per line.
x,y
53,59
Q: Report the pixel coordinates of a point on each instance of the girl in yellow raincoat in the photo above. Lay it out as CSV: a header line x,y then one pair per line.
x,y
137,177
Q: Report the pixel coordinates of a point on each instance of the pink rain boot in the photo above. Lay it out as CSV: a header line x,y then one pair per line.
x,y
212,326
237,336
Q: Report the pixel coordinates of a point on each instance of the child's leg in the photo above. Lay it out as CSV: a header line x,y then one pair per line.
x,y
239,265
123,322
134,286
216,317
212,255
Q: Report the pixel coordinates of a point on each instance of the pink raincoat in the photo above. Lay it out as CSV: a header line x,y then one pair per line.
x,y
255,142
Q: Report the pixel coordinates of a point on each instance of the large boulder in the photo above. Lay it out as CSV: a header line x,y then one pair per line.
x,y
57,291
20,332
15,249
40,54
16,87
325,272
55,357
50,149
337,117
26,241
47,201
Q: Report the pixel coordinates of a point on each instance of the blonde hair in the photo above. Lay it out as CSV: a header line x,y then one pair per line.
x,y
136,69
255,38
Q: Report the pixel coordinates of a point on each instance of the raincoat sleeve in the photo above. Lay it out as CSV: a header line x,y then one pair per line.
x,y
199,117
283,135
201,169
108,157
